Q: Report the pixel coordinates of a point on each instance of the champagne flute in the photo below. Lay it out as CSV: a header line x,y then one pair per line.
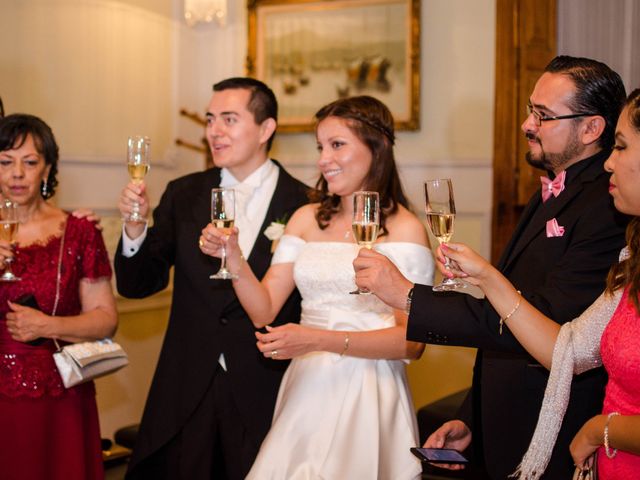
x,y
222,216
138,166
8,231
441,212
365,223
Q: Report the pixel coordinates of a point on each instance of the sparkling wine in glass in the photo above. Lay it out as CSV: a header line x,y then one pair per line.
x,y
222,216
365,223
138,165
8,231
441,213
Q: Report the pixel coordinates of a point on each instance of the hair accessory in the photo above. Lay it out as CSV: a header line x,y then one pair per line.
x,y
508,316
346,344
607,449
376,126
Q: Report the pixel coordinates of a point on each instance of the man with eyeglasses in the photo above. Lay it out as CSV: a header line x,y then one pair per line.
x,y
567,238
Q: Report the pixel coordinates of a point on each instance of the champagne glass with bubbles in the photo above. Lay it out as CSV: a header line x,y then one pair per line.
x,y
222,216
8,231
441,212
138,165
365,223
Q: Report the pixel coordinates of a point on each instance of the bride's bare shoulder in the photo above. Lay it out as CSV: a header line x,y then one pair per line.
x,y
302,220
404,226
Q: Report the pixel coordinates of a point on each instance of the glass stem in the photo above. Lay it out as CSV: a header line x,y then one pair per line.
x,y
223,259
447,265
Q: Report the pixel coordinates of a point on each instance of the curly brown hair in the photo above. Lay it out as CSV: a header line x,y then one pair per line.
x,y
371,121
627,272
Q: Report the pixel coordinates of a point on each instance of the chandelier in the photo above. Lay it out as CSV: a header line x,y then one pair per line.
x,y
206,11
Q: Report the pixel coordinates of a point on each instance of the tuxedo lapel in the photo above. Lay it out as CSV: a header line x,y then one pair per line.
x,y
525,218
202,206
538,222
284,199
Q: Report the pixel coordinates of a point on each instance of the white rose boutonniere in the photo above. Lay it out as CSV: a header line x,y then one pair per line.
x,y
274,231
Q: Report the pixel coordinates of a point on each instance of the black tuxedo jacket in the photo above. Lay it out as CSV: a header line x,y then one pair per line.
x,y
561,276
206,318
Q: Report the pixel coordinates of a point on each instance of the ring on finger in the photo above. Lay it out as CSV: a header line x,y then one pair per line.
x,y
201,243
274,353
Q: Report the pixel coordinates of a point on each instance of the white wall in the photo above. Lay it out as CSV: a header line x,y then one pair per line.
x,y
70,61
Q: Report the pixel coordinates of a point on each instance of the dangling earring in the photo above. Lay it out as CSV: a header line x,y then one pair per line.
x,y
44,188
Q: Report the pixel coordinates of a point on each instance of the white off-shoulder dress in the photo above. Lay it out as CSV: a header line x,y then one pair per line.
x,y
342,417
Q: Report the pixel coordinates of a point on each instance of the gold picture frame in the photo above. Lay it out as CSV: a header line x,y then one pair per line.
x,y
312,52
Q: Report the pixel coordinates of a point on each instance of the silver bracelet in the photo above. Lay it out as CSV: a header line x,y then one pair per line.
x,y
407,305
607,449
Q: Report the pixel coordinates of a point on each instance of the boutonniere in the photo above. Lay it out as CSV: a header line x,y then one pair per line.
x,y
274,231
553,229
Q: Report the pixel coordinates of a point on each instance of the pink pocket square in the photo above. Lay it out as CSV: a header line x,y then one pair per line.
x,y
553,229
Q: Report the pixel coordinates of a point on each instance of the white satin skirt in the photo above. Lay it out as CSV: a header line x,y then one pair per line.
x,y
341,417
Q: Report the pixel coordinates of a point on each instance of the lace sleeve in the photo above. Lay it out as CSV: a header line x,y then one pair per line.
x,y
94,257
288,249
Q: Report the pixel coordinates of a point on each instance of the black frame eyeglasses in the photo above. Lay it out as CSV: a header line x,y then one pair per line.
x,y
539,118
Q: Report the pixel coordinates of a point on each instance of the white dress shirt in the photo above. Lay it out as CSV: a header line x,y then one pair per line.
x,y
253,196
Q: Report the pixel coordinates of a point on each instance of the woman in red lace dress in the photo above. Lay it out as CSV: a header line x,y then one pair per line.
x,y
47,431
607,333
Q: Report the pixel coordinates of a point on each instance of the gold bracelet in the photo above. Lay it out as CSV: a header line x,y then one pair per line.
x,y
607,449
346,344
502,320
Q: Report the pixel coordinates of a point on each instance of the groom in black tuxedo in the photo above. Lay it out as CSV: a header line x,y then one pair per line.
x,y
213,393
567,238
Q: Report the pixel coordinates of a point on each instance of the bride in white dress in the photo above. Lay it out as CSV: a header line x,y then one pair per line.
x,y
344,409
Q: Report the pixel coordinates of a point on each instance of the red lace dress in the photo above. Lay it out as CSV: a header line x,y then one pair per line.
x,y
620,351
47,431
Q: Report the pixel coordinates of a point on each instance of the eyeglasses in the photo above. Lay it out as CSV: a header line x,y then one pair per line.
x,y
539,118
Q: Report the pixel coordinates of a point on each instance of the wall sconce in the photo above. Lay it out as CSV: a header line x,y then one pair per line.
x,y
206,11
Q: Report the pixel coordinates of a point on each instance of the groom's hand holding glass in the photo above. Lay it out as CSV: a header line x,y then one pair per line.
x,y
134,194
133,202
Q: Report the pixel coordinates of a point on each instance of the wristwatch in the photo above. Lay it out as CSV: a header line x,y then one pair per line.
x,y
407,305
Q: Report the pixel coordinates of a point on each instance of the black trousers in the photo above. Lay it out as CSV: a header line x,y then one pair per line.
x,y
212,445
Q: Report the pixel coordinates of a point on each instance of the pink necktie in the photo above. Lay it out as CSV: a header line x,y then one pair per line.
x,y
554,186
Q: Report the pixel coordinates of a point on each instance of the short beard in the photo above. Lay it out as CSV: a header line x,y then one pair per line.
x,y
556,161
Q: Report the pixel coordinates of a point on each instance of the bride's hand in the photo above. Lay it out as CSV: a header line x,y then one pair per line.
x,y
213,239
287,341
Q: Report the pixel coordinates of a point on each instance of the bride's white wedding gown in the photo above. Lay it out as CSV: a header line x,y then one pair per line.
x,y
342,417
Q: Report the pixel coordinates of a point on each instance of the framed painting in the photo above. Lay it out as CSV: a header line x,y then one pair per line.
x,y
312,52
